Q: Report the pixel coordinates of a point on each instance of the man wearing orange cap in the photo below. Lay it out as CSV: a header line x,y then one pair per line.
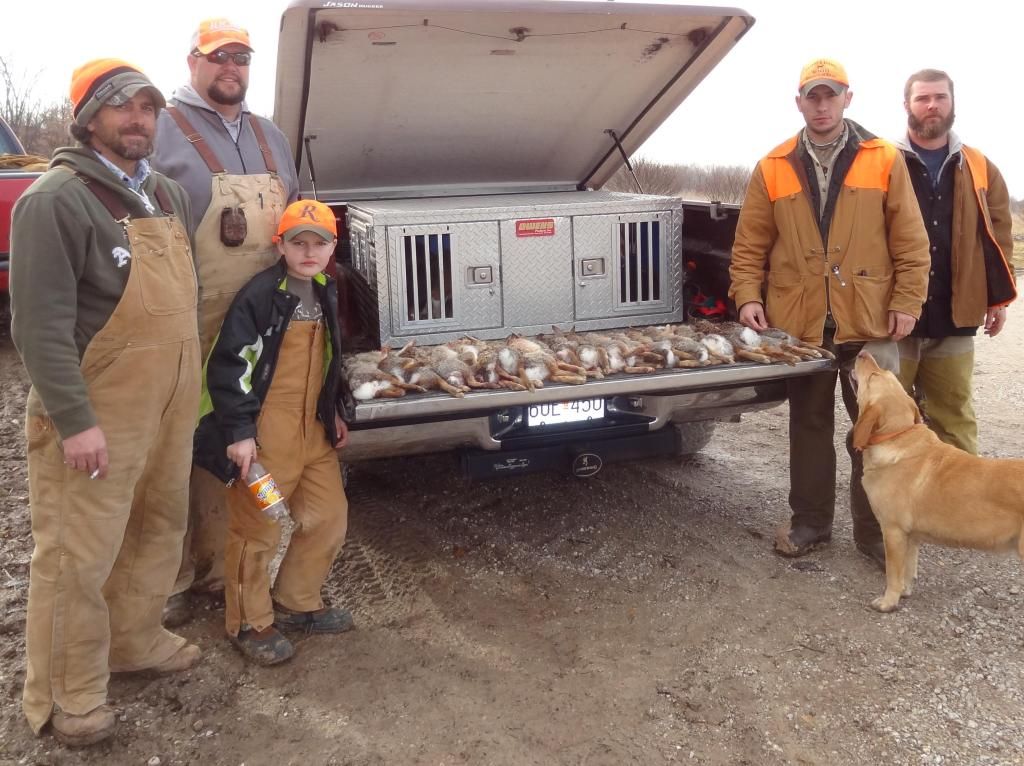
x,y
829,247
103,292
239,174
275,374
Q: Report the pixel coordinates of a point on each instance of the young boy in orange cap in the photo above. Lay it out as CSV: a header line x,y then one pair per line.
x,y
274,392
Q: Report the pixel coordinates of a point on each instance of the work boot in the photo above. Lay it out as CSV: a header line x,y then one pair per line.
x,y
177,611
183,659
264,647
874,551
80,730
793,542
330,619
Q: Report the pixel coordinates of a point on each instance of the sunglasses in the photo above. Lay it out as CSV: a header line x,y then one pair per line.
x,y
223,57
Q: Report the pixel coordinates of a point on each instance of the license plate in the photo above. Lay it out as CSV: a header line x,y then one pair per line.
x,y
556,413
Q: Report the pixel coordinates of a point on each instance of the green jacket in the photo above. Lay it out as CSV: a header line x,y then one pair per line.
x,y
66,280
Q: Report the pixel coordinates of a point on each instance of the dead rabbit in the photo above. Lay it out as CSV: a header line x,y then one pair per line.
x,y
368,380
532,364
746,343
675,350
423,373
570,348
448,363
623,354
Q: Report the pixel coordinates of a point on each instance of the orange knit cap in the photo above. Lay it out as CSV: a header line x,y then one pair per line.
x,y
107,81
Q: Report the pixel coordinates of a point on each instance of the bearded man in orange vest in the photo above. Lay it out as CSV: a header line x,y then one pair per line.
x,y
966,210
829,247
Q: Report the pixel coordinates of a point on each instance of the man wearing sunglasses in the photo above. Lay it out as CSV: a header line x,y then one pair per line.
x,y
238,172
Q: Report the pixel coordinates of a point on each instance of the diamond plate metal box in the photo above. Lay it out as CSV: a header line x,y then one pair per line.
x,y
493,265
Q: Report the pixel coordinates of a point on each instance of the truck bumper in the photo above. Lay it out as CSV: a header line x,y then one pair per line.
x,y
636,406
504,428
582,458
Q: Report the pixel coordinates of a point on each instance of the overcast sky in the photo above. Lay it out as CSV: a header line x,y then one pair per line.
x,y
743,109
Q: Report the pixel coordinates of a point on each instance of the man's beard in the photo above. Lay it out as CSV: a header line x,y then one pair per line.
x,y
139,153
217,95
930,129
133,152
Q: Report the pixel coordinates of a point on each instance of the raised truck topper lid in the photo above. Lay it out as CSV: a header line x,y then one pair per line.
x,y
400,98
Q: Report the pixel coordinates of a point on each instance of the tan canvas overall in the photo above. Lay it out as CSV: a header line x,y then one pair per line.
x,y
106,551
295,449
223,270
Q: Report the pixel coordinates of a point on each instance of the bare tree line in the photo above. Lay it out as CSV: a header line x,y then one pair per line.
x,y
41,127
722,183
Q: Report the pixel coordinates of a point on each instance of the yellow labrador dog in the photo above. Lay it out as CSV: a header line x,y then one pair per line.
x,y
923,490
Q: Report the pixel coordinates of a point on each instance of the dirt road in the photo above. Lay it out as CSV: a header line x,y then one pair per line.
x,y
638,617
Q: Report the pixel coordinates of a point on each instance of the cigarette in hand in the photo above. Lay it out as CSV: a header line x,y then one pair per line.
x,y
94,474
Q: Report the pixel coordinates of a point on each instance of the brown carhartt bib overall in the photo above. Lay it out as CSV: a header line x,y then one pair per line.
x,y
295,449
106,551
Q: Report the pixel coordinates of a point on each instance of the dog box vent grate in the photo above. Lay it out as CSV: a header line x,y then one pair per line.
x,y
428,277
640,266
362,258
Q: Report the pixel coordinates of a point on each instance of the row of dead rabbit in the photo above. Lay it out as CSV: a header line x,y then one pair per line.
x,y
521,364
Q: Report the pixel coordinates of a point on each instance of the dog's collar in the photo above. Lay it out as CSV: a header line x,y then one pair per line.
x,y
879,438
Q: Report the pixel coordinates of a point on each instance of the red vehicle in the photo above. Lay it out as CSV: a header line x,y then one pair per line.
x,y
13,181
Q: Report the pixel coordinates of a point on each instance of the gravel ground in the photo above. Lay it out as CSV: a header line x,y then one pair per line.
x,y
636,617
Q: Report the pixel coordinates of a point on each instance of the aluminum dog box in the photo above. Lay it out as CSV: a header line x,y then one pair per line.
x,y
492,265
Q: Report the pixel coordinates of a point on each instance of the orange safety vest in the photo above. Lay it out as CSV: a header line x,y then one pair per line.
x,y
869,170
978,166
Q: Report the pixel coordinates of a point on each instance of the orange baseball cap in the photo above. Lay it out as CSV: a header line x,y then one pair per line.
x,y
107,81
307,215
216,33
823,72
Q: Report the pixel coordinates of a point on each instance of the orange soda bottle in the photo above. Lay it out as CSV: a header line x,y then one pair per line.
x,y
265,491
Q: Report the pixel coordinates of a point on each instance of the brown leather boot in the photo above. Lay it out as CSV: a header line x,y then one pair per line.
x,y
874,551
264,647
177,611
87,729
183,659
793,542
330,619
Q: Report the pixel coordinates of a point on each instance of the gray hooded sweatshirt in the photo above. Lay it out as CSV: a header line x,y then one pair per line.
x,y
176,158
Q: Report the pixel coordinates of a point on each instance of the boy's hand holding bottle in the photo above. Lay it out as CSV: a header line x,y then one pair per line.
x,y
242,454
261,484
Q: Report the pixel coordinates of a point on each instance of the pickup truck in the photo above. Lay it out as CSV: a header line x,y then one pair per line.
x,y
463,145
13,181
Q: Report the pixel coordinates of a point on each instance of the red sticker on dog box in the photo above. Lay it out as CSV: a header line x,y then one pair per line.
x,y
536,227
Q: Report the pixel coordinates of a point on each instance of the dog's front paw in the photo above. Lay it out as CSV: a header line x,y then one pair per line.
x,y
886,603
908,590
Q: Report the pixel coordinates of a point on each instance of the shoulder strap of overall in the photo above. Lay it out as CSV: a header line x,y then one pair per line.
x,y
261,140
195,138
162,199
114,204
